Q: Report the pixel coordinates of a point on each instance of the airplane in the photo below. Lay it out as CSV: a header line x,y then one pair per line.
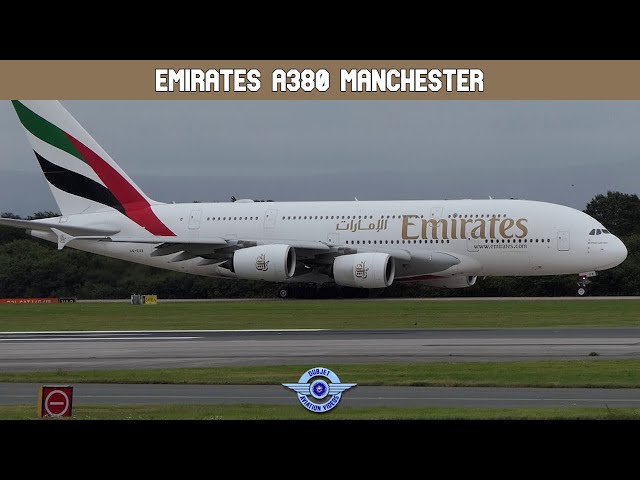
x,y
358,244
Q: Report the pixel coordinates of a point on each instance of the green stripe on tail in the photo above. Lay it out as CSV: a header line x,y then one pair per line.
x,y
44,130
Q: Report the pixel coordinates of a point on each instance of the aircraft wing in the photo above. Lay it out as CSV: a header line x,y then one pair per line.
x,y
297,244
312,254
216,250
183,241
164,245
212,250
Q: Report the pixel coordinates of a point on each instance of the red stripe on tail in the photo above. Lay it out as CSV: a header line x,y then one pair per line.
x,y
135,205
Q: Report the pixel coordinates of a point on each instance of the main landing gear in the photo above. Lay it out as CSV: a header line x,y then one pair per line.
x,y
283,292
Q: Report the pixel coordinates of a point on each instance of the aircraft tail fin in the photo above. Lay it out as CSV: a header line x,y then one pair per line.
x,y
82,176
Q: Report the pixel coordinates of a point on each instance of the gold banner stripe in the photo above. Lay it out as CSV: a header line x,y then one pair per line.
x,y
502,79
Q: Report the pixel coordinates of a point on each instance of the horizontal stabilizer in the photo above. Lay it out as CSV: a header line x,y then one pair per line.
x,y
48,226
64,238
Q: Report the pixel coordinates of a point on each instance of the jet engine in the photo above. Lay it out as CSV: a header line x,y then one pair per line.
x,y
364,270
459,281
273,263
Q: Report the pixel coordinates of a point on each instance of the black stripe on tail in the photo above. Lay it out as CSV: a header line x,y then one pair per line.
x,y
76,184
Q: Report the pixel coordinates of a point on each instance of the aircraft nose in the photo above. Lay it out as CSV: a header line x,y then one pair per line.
x,y
613,254
618,252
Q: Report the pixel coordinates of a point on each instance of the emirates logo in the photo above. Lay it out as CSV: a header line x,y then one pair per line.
x,y
361,270
262,264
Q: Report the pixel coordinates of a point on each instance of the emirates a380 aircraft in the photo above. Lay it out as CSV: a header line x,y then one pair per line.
x,y
369,245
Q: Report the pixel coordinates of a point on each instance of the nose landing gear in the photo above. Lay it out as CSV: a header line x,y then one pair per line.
x,y
583,281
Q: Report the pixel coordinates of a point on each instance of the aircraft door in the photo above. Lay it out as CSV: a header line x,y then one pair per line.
x,y
194,219
270,217
472,244
563,241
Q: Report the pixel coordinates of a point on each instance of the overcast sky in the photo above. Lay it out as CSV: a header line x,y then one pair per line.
x,y
559,151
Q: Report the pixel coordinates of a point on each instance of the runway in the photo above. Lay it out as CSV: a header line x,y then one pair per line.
x,y
173,349
360,396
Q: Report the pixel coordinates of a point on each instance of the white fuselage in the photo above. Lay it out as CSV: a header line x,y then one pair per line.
x,y
491,237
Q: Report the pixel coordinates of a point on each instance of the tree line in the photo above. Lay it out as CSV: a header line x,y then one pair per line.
x,y
30,267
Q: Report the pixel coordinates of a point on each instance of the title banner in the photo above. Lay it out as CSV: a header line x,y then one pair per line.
x,y
320,80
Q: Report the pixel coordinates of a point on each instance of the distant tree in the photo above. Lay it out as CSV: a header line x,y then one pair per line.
x,y
8,234
40,215
618,212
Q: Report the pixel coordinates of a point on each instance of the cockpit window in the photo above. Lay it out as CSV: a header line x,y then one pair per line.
x,y
598,231
605,231
592,232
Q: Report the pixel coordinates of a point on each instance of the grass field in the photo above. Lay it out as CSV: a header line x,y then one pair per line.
x,y
343,314
567,373
285,412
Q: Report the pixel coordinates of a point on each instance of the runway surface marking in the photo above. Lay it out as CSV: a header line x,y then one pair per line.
x,y
146,332
81,339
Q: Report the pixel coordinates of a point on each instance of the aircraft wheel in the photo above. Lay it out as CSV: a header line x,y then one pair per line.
x,y
283,293
581,291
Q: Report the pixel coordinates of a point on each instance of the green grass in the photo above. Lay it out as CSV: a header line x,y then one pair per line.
x,y
285,412
344,314
547,373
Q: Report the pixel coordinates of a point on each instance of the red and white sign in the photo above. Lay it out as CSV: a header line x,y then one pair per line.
x,y
28,301
55,401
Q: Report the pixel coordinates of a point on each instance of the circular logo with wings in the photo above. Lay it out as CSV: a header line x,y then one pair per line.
x,y
319,389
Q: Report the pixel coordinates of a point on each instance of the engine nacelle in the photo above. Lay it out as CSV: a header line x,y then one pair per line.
x,y
273,263
459,281
364,270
